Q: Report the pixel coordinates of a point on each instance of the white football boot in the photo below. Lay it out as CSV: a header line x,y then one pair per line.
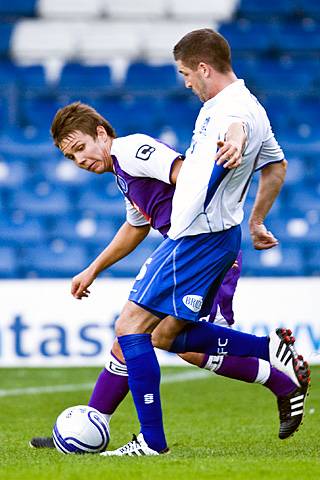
x,y
282,353
136,448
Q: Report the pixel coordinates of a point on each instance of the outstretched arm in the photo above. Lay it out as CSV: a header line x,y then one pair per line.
x,y
270,183
125,241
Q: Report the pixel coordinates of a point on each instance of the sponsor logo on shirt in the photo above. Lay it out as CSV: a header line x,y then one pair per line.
x,y
144,152
193,302
122,184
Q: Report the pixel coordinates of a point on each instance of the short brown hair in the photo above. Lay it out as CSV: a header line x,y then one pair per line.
x,y
204,45
78,116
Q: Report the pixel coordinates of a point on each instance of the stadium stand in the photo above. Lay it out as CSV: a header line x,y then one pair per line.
x,y
117,57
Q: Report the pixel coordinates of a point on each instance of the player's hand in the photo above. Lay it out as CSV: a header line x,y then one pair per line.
x,y
262,238
229,154
81,282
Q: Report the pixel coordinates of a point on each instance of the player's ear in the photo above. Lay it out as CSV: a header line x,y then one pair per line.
x,y
101,133
204,69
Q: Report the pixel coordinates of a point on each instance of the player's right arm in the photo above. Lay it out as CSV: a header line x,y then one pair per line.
x,y
270,183
124,242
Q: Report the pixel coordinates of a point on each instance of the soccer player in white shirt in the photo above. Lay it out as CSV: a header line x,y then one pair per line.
x,y
205,224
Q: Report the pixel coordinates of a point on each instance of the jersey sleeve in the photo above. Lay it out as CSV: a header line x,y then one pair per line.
x,y
148,158
135,218
271,152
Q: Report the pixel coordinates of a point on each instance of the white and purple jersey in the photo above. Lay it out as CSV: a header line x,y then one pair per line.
x,y
208,197
143,166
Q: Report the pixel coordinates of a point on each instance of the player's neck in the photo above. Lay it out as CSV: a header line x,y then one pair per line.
x,y
220,82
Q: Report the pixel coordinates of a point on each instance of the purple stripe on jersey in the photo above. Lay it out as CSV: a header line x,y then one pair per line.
x,y
225,294
152,197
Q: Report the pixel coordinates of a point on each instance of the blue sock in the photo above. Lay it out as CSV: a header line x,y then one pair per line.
x,y
205,337
144,383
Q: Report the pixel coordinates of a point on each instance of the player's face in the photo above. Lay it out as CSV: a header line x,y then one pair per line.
x,y
92,154
194,79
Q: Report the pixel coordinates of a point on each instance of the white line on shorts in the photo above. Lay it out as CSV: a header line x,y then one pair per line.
x,y
169,378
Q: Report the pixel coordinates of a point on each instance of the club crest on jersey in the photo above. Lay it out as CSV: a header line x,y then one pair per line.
x,y
203,128
122,184
193,302
144,152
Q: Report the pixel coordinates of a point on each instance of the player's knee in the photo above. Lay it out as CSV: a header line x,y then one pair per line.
x,y
116,350
159,341
134,320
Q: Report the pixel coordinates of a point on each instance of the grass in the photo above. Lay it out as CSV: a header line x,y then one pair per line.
x,y
216,428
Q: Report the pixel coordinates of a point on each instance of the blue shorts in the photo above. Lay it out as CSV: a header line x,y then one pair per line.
x,y
182,276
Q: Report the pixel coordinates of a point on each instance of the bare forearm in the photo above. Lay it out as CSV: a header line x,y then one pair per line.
x,y
271,181
230,150
236,133
125,241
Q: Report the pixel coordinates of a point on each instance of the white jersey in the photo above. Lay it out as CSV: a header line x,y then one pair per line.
x,y
208,197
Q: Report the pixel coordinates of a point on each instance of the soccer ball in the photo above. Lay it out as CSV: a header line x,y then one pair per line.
x,y
81,429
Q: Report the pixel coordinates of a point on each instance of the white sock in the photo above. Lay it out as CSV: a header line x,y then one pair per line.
x,y
214,363
263,372
113,365
107,417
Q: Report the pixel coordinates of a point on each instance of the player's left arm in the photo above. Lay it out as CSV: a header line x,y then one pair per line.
x,y
231,148
271,180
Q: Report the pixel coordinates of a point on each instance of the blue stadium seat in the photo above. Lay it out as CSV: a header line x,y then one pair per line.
x,y
313,261
8,262
309,9
8,73
76,76
19,230
248,37
83,231
285,261
298,38
302,200
31,77
276,82
17,8
146,78
261,10
38,111
55,261
41,200
99,203
5,36
13,174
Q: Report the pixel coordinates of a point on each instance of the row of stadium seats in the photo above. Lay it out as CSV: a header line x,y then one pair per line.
x,y
270,76
83,9
36,41
213,9
60,259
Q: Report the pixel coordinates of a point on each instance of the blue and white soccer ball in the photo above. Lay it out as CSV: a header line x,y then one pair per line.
x,y
81,429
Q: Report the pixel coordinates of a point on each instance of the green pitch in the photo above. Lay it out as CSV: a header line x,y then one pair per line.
x,y
216,428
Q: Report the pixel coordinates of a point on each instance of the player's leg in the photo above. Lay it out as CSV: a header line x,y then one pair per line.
x,y
112,384
133,330
155,287
109,391
163,289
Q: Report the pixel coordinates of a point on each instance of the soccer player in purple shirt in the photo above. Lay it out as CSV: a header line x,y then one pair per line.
x,y
142,166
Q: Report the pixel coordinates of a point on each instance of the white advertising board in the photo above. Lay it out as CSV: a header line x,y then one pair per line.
x,y
41,324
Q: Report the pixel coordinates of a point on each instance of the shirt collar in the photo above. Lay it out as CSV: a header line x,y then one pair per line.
x,y
229,90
